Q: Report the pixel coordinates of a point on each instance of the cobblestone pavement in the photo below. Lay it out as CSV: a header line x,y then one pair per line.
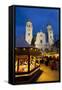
x,y
48,74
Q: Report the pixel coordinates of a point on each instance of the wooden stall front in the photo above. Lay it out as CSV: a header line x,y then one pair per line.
x,y
27,64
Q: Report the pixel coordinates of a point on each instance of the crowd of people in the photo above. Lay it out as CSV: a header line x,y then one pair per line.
x,y
51,61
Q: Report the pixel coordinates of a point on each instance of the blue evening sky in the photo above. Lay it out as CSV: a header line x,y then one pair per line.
x,y
39,17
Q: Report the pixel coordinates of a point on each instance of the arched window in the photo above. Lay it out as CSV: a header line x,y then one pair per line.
x,y
28,34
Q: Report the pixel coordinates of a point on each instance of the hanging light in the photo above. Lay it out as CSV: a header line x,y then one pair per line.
x,y
31,48
24,49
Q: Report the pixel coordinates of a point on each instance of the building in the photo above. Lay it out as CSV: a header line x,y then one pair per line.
x,y
29,30
43,40
50,35
40,40
27,61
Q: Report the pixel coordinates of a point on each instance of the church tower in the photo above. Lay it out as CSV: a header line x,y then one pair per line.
x,y
29,29
50,35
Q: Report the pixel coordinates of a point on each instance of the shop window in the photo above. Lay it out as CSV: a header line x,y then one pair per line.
x,y
32,62
21,64
38,61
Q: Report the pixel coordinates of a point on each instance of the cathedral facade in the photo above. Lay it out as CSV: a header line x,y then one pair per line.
x,y
40,41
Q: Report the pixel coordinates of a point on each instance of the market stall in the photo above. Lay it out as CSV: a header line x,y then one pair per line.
x,y
27,63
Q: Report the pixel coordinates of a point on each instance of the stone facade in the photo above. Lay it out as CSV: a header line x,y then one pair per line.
x,y
40,41
29,30
50,35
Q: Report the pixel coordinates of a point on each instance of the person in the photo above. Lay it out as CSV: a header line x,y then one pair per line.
x,y
53,65
47,61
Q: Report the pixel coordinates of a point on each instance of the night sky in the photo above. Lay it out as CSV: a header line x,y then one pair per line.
x,y
39,17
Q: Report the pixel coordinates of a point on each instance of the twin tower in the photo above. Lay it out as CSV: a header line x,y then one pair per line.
x,y
29,32
41,37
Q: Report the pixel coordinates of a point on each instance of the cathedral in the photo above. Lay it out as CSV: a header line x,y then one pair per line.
x,y
40,41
